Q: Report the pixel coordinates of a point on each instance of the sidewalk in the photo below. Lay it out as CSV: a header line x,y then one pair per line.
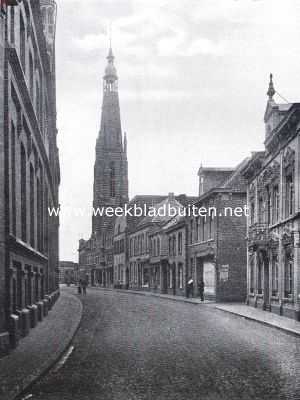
x,y
44,345
285,324
192,300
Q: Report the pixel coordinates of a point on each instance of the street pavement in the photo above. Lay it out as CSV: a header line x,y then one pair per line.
x,y
134,347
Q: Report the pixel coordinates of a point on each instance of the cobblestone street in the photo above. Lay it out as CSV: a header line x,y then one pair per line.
x,y
135,347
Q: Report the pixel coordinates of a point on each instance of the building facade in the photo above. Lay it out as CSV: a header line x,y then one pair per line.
x,y
157,248
273,277
68,272
30,171
217,239
176,248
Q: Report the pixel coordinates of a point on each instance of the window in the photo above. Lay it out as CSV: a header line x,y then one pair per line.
x,y
210,225
13,177
202,229
28,291
191,267
50,16
180,243
19,271
275,210
31,72
23,195
252,213
259,278
158,246
38,101
252,277
274,276
38,198
40,211
32,207
191,230
260,210
289,193
197,229
174,245
112,180
170,246
12,25
22,43
269,206
180,276
170,277
288,277
44,15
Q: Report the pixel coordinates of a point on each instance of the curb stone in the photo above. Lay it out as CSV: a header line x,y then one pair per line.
x,y
289,331
19,389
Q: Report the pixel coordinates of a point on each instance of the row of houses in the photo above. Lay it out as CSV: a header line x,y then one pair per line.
x,y
161,253
246,250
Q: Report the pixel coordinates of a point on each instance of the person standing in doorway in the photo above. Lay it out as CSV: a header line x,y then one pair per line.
x,y
201,289
190,287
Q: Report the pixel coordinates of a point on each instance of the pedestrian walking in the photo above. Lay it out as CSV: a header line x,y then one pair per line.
x,y
201,286
84,285
79,287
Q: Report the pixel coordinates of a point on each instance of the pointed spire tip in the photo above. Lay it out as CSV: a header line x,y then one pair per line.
x,y
271,91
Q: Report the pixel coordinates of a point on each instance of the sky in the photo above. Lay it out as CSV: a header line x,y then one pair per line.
x,y
193,77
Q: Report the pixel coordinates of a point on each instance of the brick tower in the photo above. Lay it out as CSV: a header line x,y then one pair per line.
x,y
111,168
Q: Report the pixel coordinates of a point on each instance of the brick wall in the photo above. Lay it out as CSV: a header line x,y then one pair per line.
x,y
232,250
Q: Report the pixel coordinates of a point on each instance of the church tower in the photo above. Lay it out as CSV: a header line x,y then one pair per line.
x,y
111,168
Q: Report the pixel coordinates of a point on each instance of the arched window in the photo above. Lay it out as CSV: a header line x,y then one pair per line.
x,y
23,195
112,178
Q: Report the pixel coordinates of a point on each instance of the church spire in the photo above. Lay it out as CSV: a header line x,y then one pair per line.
x,y
111,169
271,91
110,79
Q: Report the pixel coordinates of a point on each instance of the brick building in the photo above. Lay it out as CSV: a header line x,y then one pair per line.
x,y
273,278
121,271
68,272
153,265
216,242
29,171
176,248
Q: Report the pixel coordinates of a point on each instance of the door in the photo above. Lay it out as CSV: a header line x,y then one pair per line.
x,y
209,278
199,273
266,283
